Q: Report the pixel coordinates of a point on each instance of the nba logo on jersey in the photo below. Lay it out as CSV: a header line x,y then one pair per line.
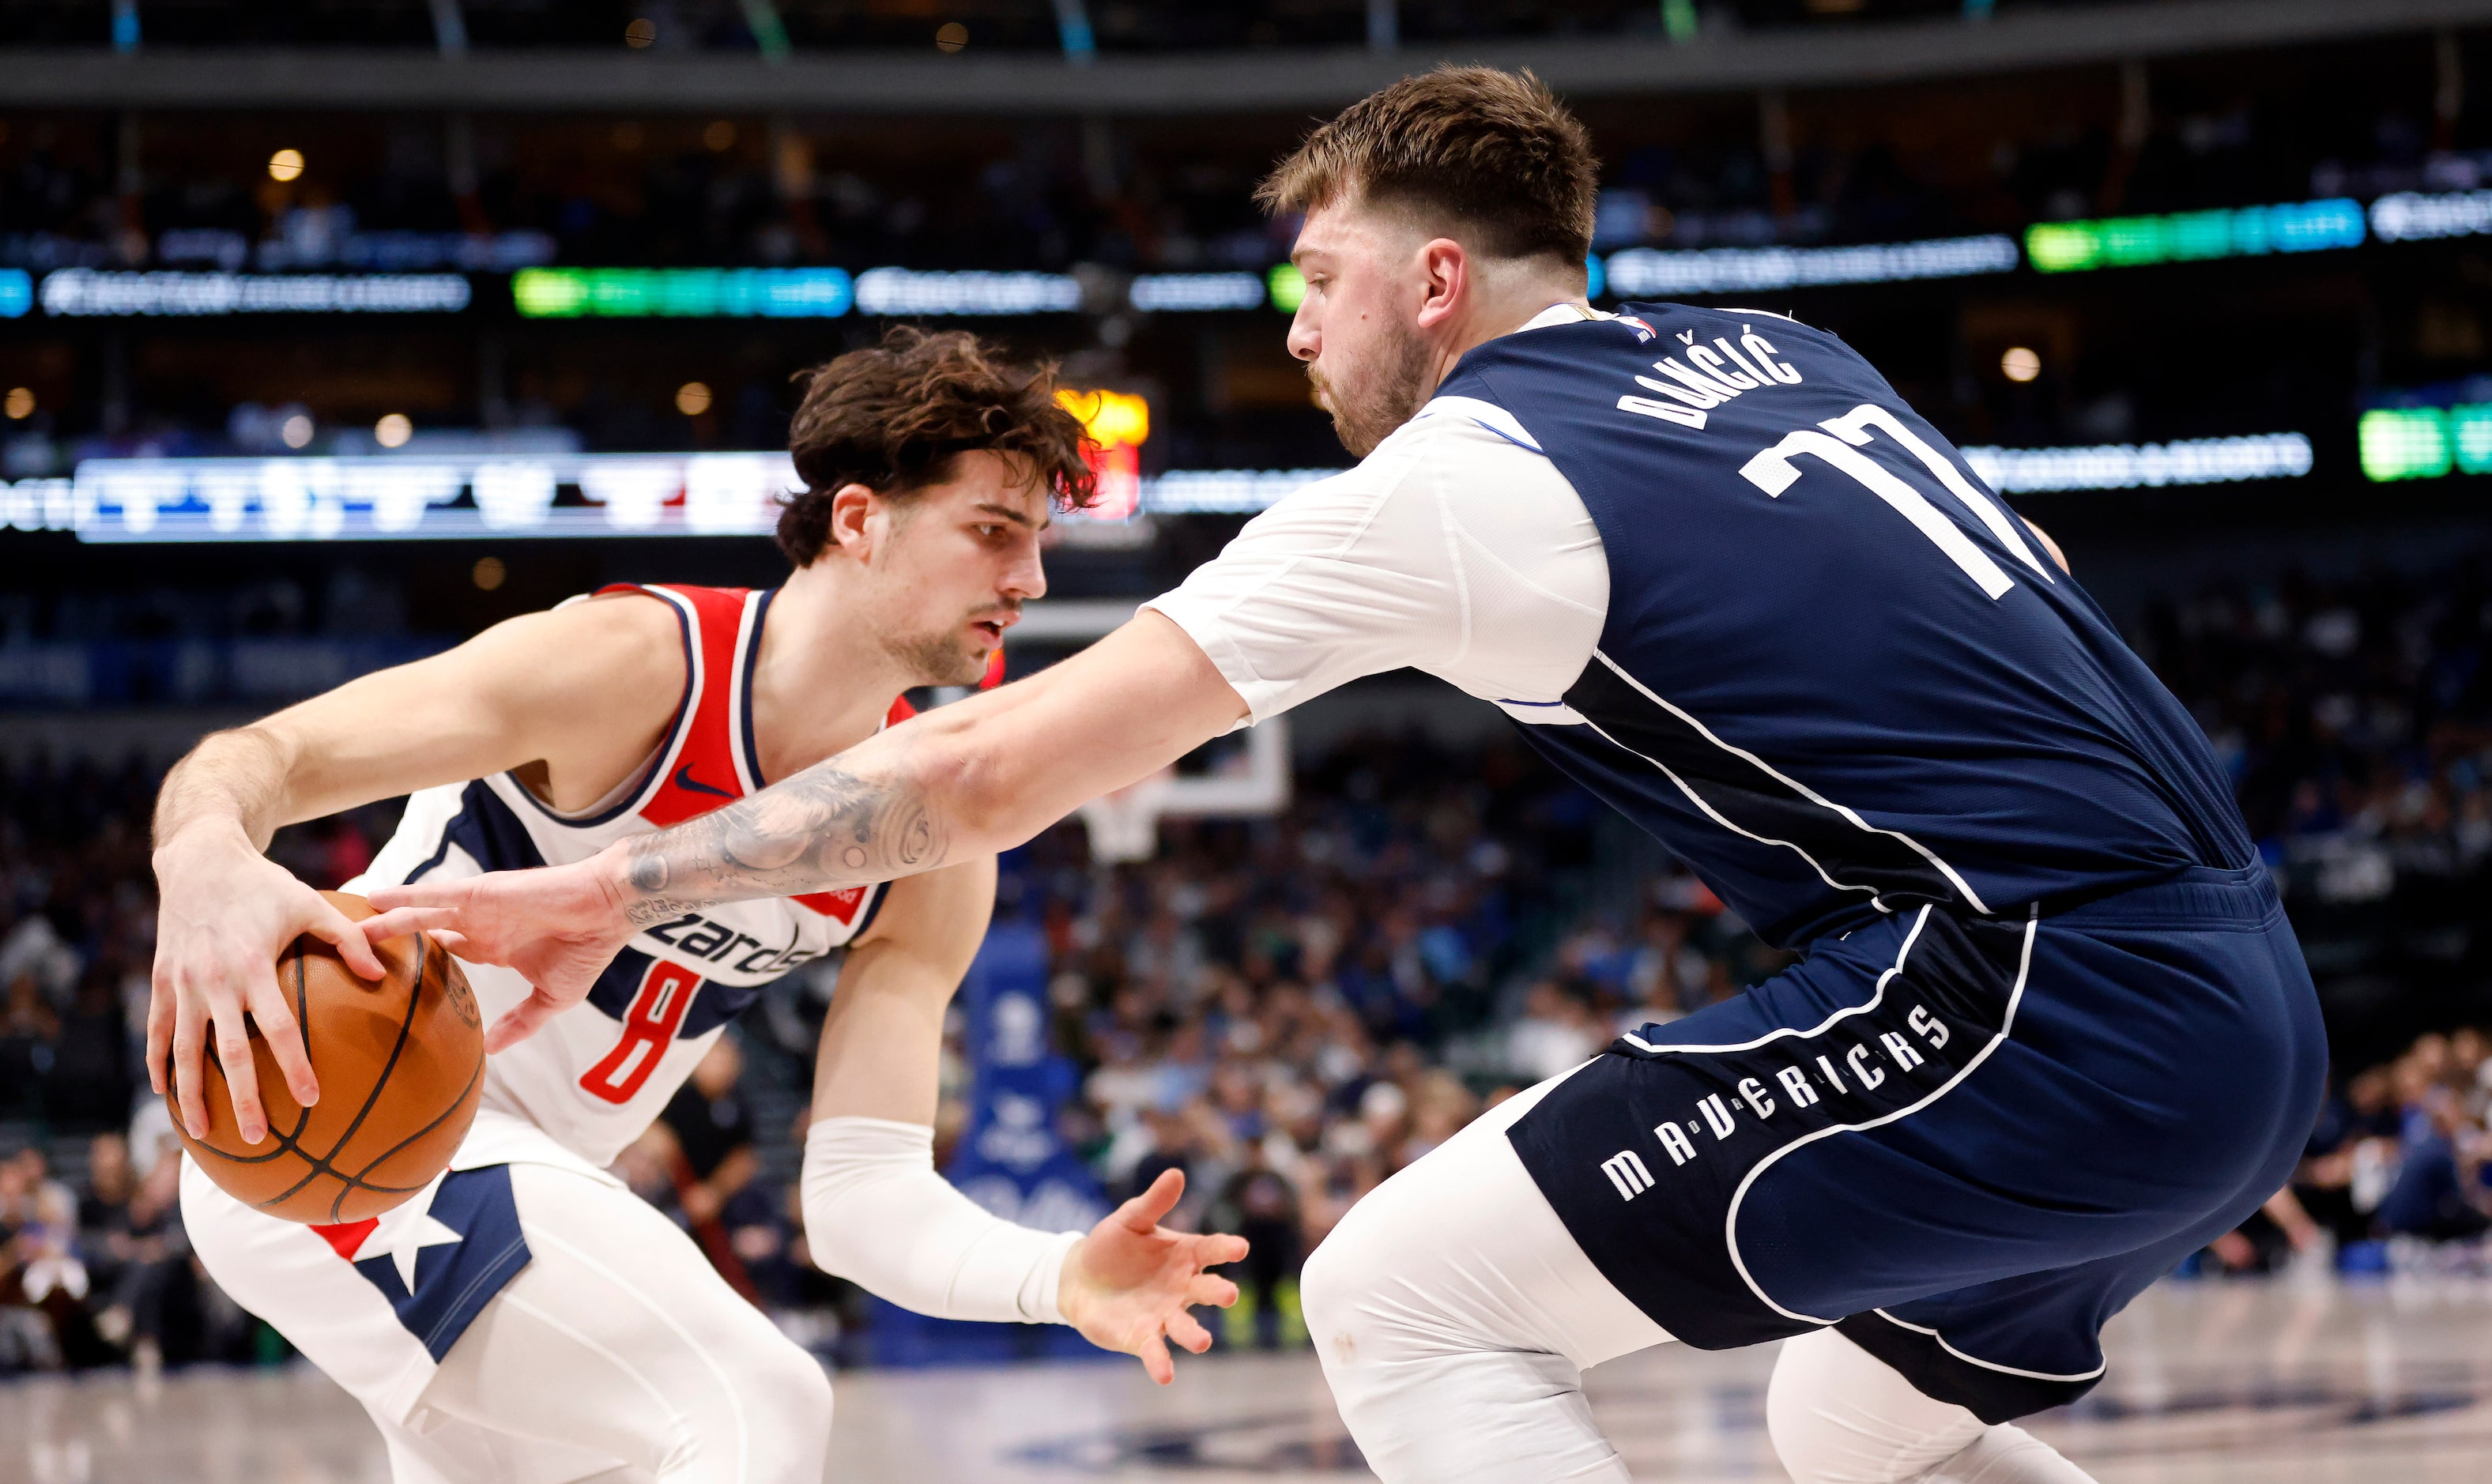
x,y
440,1258
1643,333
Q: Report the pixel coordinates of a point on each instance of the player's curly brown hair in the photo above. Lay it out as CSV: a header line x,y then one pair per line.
x,y
893,419
1458,147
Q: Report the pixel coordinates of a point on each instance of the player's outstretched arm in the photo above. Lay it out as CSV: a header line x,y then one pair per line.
x,y
513,693
878,1214
967,780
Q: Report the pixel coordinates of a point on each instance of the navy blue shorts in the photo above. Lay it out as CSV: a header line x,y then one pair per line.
x,y
1964,1142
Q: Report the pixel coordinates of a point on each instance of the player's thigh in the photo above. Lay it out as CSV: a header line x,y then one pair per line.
x,y
620,1336
1453,1314
1460,1250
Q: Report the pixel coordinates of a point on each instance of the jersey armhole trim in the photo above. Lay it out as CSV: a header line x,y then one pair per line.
x,y
748,741
665,752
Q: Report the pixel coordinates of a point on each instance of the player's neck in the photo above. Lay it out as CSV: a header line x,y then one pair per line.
x,y
814,695
1500,309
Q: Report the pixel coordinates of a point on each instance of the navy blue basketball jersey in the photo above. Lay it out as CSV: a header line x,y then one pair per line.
x,y
1838,677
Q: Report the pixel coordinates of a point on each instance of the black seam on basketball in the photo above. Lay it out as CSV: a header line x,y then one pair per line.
x,y
391,1153
320,1162
356,1181
285,1142
398,1048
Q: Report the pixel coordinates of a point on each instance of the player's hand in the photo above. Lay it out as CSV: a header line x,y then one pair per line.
x,y
1132,1284
225,915
558,926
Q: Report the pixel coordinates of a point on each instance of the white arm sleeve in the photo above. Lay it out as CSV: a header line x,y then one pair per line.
x,y
1456,547
878,1214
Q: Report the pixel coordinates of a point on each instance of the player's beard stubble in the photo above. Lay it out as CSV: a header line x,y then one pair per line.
x,y
1377,391
942,656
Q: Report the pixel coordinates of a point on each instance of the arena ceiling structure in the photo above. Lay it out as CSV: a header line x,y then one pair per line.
x,y
1080,81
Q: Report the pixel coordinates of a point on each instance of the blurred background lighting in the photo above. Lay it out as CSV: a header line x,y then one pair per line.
x,y
2426,442
1289,287
286,165
2194,236
1651,273
692,398
696,293
2019,363
392,430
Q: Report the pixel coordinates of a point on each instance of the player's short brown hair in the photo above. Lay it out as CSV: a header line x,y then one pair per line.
x,y
893,419
1487,152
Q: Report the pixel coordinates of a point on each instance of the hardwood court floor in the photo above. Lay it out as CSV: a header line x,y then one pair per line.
x,y
2211,1383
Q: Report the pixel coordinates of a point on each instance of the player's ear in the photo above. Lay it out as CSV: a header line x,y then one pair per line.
x,y
852,506
1445,273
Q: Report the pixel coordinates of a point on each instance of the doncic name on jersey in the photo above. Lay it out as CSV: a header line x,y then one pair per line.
x,y
1711,374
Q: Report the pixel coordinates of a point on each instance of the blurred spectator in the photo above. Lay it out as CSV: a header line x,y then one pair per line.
x,y
29,1040
712,1164
1555,1033
1261,1206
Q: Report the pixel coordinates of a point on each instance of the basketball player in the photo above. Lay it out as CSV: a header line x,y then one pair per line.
x,y
2049,1033
528,1316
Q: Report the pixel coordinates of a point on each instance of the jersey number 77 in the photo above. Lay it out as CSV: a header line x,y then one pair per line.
x,y
1837,442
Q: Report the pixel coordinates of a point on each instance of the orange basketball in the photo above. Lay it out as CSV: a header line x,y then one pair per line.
x,y
401,1064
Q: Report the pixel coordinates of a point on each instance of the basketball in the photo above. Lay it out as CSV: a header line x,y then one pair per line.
x,y
400,1065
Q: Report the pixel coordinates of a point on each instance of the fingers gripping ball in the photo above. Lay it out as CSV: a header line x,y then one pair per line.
x,y
400,1065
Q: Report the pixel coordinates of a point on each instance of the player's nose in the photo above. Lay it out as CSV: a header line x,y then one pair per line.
x,y
1026,579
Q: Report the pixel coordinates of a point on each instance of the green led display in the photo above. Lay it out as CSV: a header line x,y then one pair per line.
x,y
2405,443
1289,287
2470,437
2194,236
775,293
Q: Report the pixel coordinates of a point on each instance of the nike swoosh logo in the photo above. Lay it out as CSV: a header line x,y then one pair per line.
x,y
684,780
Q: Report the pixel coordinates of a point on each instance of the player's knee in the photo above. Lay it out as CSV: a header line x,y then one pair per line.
x,y
1839,1416
787,1395
801,1390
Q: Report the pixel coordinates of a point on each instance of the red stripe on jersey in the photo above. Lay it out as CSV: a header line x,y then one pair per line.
x,y
703,772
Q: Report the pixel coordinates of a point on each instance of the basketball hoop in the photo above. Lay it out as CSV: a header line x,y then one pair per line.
x,y
1125,825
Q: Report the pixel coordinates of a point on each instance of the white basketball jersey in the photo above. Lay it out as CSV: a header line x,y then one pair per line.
x,y
597,1074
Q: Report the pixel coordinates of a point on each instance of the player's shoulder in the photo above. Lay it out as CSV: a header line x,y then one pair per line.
x,y
623,610
626,637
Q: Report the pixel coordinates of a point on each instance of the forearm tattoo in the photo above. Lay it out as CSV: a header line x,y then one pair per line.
x,y
822,830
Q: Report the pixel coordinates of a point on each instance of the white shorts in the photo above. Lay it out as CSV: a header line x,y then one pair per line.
x,y
527,1317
